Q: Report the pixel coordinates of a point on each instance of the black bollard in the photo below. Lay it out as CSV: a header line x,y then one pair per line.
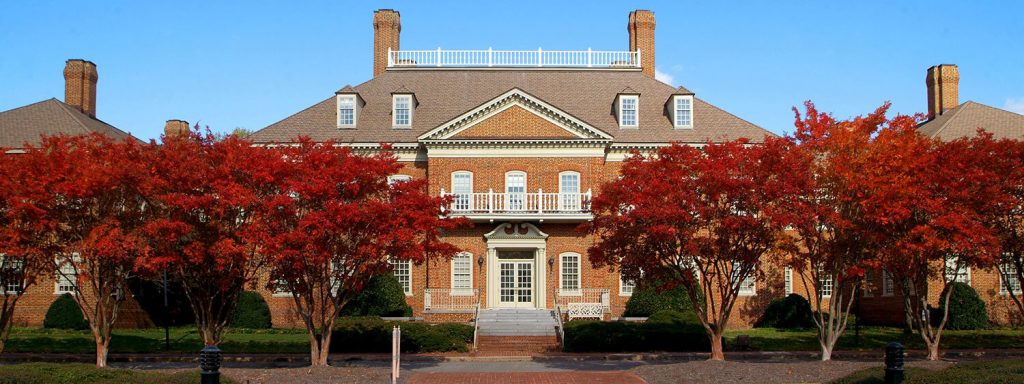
x,y
894,363
209,365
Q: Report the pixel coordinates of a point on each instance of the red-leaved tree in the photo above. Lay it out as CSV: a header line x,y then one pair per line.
x,y
833,243
701,217
26,246
208,194
336,222
94,206
925,203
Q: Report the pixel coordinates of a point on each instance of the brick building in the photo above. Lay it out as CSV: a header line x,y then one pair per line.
x,y
76,115
521,140
949,119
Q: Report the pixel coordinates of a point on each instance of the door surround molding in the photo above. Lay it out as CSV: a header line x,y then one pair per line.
x,y
517,236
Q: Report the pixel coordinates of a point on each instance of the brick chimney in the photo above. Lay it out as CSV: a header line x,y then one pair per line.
x,y
943,83
641,38
176,128
387,25
80,78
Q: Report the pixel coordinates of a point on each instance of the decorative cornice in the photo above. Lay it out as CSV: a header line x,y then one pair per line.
x,y
519,97
516,231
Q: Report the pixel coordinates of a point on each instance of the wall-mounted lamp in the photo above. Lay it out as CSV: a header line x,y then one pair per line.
x,y
480,261
551,261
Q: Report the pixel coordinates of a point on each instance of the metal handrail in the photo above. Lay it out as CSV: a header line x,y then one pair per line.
x,y
476,324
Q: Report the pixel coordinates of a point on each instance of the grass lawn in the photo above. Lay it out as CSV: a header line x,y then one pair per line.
x,y
183,339
987,372
49,373
875,338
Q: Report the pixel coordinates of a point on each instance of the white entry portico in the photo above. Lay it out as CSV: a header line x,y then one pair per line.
x,y
516,266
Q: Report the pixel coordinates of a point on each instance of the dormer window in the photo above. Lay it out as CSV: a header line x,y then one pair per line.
x,y
682,111
401,110
347,111
628,107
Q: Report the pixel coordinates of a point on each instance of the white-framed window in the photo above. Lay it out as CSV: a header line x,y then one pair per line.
x,y
347,111
626,287
748,287
399,179
401,111
569,191
515,190
888,287
1008,273
825,281
569,276
66,277
462,188
682,111
628,107
787,277
954,272
12,275
462,274
281,288
402,269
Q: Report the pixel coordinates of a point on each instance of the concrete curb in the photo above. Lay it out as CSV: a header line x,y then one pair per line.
x,y
295,358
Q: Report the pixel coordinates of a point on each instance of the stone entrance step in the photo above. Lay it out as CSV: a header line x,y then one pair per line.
x,y
517,332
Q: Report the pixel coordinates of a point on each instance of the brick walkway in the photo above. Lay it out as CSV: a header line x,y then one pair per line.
x,y
616,377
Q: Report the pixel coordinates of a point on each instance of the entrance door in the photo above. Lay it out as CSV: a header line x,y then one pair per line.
x,y
516,285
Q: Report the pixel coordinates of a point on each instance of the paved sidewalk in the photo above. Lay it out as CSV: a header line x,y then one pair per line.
x,y
614,377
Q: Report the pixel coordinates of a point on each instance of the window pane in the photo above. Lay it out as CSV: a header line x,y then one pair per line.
x,y
462,188
515,191
402,106
684,112
746,287
403,272
788,277
628,111
570,272
569,191
346,111
462,270
1009,273
955,271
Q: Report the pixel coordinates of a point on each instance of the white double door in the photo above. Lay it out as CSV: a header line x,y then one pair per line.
x,y
516,283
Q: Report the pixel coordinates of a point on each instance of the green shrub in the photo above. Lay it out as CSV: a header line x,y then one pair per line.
x,y
373,335
382,296
65,314
790,312
966,309
68,373
649,298
251,312
667,331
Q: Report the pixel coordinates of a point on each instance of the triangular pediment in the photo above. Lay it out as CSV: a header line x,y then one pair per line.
x,y
515,115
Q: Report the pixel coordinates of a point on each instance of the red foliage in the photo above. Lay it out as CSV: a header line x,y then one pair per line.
x,y
335,222
689,215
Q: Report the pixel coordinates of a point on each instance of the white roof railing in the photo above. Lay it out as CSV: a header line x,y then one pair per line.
x,y
520,59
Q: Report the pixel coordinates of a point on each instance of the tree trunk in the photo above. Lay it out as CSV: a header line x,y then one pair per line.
x,y
933,351
716,347
318,349
102,348
826,351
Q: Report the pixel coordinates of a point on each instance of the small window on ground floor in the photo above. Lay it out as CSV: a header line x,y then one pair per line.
x,y
748,286
66,277
1008,282
569,279
402,270
787,276
462,273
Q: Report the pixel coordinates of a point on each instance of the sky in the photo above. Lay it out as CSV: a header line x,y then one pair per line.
x,y
248,64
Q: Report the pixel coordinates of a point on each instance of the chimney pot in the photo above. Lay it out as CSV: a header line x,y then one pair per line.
x,y
80,77
641,38
387,26
943,83
176,128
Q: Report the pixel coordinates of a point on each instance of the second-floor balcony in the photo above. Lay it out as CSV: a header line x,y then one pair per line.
x,y
540,205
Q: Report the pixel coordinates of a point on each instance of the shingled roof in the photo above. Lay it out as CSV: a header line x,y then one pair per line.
x,y
48,117
966,118
445,94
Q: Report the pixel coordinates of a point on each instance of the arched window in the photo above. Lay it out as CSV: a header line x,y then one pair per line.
x,y
462,274
515,190
462,189
569,276
569,191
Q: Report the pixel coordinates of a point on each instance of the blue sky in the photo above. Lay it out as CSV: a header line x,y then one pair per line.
x,y
231,64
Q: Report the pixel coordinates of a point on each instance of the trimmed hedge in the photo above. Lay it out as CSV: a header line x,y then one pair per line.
x,y
648,299
65,314
373,335
251,312
35,373
383,296
666,331
966,309
790,312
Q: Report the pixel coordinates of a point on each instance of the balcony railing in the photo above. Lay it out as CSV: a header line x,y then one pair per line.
x,y
538,203
450,300
521,59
